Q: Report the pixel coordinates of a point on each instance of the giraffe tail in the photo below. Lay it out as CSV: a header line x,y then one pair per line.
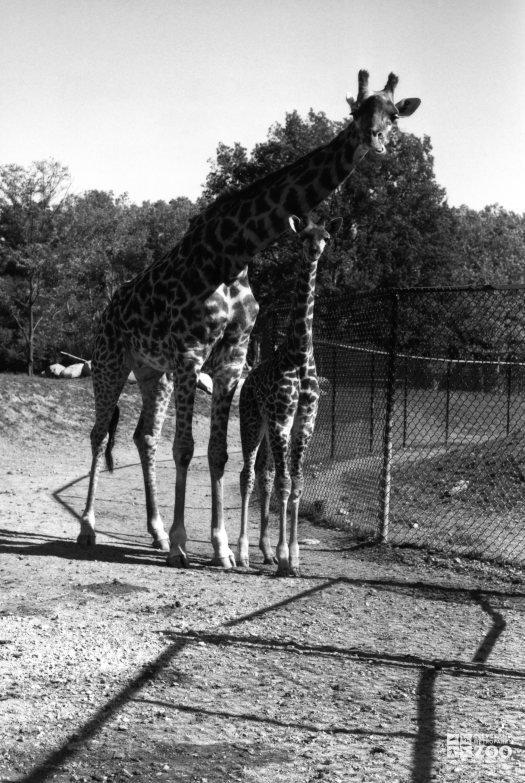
x,y
111,440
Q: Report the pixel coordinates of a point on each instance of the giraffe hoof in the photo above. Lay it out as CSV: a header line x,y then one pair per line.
x,y
86,540
224,562
178,559
161,543
271,560
282,571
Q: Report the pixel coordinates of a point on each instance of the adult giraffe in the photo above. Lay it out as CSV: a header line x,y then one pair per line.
x,y
195,305
277,411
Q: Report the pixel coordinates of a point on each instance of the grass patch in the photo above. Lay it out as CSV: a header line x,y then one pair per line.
x,y
458,488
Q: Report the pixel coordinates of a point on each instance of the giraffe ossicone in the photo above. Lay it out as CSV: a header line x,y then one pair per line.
x,y
195,307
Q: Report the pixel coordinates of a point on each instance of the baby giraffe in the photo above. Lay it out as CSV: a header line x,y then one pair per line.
x,y
277,407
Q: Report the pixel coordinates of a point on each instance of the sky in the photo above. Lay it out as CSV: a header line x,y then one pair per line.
x,y
134,96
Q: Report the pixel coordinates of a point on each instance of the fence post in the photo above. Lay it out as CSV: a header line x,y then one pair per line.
x,y
384,512
372,398
405,403
333,403
509,393
447,408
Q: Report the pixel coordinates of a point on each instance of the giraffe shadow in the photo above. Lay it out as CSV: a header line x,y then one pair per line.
x,y
35,545
122,511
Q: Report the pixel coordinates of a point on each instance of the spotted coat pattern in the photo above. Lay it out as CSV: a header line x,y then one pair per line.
x,y
195,305
277,408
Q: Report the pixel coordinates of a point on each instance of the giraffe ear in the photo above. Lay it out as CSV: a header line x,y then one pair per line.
x,y
334,226
295,223
407,106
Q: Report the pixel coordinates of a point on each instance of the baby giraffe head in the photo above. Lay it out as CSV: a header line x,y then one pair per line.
x,y
315,235
374,113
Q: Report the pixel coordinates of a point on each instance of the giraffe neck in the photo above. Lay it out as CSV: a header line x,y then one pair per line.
x,y
297,189
298,344
230,231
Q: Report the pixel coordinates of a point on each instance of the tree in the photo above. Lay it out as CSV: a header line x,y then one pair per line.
x,y
489,246
233,168
30,204
396,209
104,241
29,201
27,295
272,273
394,219
165,223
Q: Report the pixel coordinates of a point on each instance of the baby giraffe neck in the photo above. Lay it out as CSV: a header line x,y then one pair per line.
x,y
299,343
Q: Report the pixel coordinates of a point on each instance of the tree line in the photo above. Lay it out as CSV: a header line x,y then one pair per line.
x,y
62,255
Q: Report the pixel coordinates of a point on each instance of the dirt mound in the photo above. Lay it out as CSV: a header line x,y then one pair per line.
x,y
44,410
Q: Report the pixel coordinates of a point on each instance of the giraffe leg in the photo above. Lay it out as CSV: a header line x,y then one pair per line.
x,y
156,389
251,427
182,453
224,384
225,362
296,472
108,381
265,470
301,435
279,439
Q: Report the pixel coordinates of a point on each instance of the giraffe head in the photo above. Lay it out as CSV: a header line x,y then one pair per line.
x,y
374,113
315,235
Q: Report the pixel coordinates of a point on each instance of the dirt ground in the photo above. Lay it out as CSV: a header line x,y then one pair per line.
x,y
377,664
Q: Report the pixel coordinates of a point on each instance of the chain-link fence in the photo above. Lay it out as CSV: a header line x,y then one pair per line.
x,y
420,435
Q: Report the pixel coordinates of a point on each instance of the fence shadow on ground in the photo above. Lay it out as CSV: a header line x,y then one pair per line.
x,y
424,738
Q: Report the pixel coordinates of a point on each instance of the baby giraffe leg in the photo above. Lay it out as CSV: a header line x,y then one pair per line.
x,y
279,443
247,481
294,569
302,433
251,427
265,470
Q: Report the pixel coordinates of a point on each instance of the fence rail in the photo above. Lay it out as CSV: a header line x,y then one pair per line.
x,y
420,435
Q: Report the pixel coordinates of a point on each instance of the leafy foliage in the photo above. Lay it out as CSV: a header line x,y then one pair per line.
x,y
63,255
393,211
30,206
